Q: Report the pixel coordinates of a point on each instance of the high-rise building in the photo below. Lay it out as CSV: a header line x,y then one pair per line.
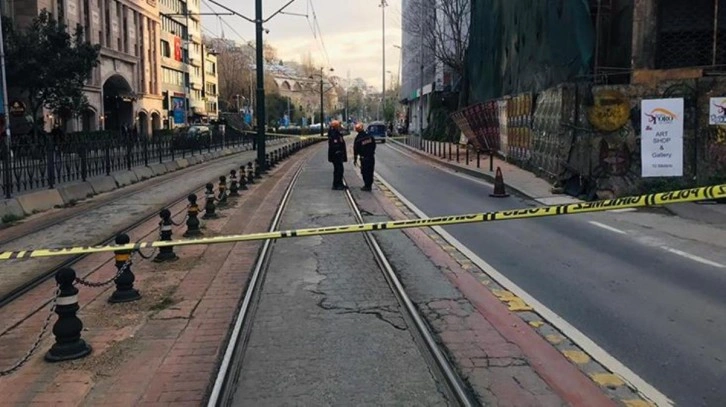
x,y
416,53
124,89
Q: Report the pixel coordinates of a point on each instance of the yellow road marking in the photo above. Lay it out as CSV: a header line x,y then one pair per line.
x,y
577,356
607,379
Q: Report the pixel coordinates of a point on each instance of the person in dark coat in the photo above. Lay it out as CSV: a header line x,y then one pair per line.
x,y
337,154
364,147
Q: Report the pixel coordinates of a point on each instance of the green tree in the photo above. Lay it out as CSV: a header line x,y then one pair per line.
x,y
276,108
48,64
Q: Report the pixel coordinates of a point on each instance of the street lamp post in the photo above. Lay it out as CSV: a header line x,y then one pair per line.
x,y
383,6
322,94
322,106
261,125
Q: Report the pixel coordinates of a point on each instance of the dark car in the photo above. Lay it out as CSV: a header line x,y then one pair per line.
x,y
196,137
378,130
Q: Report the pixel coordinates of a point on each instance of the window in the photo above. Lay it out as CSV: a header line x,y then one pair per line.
x,y
165,49
172,77
172,26
211,89
87,20
211,67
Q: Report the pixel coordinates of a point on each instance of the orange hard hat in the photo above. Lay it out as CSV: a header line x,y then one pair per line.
x,y
335,124
359,127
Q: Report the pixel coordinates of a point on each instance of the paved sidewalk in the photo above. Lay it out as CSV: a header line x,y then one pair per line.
x,y
99,221
516,179
163,349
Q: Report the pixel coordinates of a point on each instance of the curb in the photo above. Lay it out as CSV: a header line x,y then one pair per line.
x,y
462,169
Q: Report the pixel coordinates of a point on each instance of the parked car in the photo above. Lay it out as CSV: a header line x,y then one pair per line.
x,y
196,137
378,130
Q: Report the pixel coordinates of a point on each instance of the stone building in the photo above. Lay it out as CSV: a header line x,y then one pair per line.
x,y
124,89
211,83
174,46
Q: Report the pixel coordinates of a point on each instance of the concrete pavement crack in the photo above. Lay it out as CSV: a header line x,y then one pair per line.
x,y
377,311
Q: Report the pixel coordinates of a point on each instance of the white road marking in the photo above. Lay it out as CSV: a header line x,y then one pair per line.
x,y
590,347
693,257
606,227
623,210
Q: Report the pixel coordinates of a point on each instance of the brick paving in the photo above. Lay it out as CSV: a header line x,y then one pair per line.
x,y
163,349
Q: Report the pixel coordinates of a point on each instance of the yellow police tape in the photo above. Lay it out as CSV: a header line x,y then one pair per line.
x,y
685,195
316,136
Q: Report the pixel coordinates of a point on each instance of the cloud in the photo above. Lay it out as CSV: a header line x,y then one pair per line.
x,y
357,51
351,32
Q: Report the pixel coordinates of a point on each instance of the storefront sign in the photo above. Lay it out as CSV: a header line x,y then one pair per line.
x,y
661,142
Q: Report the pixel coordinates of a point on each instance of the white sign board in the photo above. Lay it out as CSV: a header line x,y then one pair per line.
x,y
661,141
717,111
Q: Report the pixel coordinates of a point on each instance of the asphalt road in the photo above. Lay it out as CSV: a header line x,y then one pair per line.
x,y
660,314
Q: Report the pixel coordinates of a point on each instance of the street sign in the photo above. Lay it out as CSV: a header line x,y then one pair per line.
x,y
661,139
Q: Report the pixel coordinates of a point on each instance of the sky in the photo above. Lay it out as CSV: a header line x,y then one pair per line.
x,y
351,33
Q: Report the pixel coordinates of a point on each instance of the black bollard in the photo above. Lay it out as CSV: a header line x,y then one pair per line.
x,y
67,329
165,253
242,178
125,291
250,173
233,188
192,218
222,192
209,207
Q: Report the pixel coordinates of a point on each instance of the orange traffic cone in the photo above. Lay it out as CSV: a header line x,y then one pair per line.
x,y
499,191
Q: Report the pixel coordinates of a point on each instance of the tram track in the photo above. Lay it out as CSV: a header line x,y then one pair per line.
x,y
232,362
13,294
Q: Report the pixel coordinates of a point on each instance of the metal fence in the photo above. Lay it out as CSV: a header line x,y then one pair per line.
x,y
33,164
691,33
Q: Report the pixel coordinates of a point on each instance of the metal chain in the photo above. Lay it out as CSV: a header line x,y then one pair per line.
x,y
144,256
109,281
185,217
32,350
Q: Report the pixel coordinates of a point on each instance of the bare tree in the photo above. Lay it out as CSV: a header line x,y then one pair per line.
x,y
234,70
445,28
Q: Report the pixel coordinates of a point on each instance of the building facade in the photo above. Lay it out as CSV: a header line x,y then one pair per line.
x,y
416,91
211,83
174,48
124,89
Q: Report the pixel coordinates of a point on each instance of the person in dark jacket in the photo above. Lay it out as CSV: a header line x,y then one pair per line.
x,y
337,154
364,147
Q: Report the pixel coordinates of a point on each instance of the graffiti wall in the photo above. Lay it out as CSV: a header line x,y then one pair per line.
x,y
480,125
519,127
588,138
551,136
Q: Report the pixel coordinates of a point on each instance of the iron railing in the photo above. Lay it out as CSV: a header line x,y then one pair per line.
x,y
43,163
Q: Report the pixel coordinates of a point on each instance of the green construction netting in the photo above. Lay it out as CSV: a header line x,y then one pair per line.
x,y
527,45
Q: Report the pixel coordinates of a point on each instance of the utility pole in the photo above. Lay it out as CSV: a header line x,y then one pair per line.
x,y
261,123
383,6
420,95
322,107
6,113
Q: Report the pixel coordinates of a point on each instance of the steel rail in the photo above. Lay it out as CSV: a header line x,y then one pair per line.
x,y
455,387
229,369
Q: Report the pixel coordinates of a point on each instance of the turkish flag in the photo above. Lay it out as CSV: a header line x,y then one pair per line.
x,y
177,48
